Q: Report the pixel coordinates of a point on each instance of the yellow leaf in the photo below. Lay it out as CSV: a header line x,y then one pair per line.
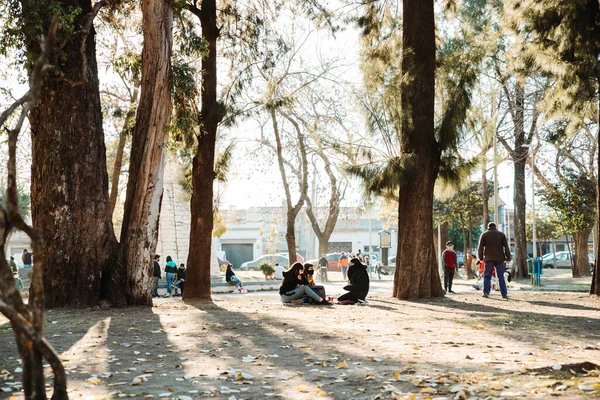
x,y
416,347
134,329
397,375
303,389
304,347
342,365
428,390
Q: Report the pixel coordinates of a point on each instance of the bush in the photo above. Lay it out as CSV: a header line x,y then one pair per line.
x,y
266,269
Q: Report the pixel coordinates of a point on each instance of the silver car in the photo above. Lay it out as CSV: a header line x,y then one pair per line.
x,y
562,259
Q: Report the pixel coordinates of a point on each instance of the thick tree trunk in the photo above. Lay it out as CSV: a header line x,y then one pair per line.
x,y
519,158
69,182
417,273
581,264
139,232
203,168
123,135
595,286
323,246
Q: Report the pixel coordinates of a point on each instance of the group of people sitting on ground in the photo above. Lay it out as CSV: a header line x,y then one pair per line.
x,y
175,277
298,285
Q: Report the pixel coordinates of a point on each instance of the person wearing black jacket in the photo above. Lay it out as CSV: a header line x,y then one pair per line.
x,y
155,276
293,287
180,282
359,282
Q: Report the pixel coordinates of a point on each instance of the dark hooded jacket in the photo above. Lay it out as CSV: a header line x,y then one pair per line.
x,y
358,277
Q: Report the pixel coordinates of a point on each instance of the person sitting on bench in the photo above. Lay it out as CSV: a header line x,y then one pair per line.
x,y
234,280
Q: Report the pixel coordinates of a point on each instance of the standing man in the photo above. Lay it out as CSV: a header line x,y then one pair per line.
x,y
155,276
26,258
323,264
359,255
493,249
449,262
13,265
343,264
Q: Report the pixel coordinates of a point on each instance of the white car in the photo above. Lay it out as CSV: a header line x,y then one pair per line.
x,y
561,259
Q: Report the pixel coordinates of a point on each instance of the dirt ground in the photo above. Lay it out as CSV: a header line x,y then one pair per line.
x,y
535,345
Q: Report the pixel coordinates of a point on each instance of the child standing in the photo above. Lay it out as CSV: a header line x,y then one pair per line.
x,y
449,261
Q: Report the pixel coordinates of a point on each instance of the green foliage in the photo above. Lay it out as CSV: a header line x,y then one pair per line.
x,y
562,37
23,199
546,228
455,233
573,200
266,269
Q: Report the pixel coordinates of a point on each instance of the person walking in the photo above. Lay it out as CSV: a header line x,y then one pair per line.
x,y
170,271
26,258
155,275
343,265
449,262
323,264
494,251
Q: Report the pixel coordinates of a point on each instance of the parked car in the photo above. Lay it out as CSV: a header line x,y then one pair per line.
x,y
592,261
561,259
283,260
332,261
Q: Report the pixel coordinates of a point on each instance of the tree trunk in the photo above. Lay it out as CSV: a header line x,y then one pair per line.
x,y
203,167
116,174
595,286
484,192
69,182
519,158
417,273
139,232
580,262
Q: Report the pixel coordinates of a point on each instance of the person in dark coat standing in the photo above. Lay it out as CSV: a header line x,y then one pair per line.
x,y
359,282
155,275
180,282
449,262
493,249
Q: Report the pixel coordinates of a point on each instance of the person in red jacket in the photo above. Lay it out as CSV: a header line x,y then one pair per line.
x,y
449,262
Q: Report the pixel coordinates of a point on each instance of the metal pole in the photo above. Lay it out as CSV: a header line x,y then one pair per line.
x,y
439,247
495,182
533,205
370,242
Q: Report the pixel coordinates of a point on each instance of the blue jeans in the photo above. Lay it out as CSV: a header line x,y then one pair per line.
x,y
170,279
487,276
344,271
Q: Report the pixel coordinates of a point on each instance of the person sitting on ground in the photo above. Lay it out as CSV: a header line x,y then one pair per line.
x,y
359,282
293,287
308,279
180,282
279,271
234,280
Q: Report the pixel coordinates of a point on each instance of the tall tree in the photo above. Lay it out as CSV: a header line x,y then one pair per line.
x,y
203,173
563,39
69,183
139,232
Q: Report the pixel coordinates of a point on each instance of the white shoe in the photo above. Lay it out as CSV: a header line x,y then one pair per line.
x,y
236,291
244,290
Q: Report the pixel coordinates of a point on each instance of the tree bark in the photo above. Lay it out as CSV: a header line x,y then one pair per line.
x,y
580,262
595,286
69,182
417,273
139,232
123,135
203,168
519,198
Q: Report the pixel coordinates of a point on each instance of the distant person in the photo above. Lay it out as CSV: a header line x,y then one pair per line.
x,y
279,271
360,256
156,275
359,282
449,262
378,269
309,279
293,287
180,282
27,259
170,273
18,282
343,265
323,265
13,265
493,249
234,280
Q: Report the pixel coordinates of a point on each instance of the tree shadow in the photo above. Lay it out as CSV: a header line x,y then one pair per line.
x,y
562,305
